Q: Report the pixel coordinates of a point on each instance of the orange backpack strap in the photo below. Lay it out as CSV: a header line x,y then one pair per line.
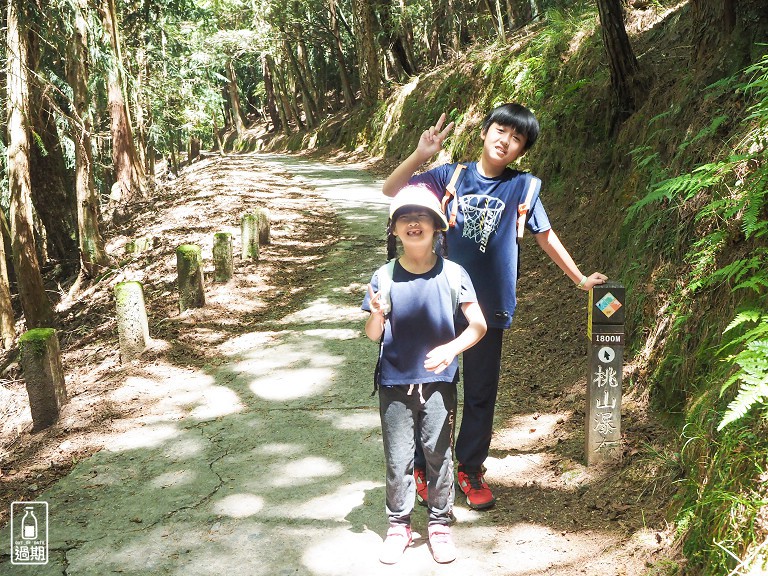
x,y
450,192
522,210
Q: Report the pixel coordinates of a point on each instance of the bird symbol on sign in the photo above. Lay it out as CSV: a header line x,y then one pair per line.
x,y
606,354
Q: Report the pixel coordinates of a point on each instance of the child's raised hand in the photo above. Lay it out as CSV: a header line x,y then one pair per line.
x,y
431,140
375,301
438,359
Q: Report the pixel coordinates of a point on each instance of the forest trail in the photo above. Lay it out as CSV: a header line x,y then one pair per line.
x,y
246,440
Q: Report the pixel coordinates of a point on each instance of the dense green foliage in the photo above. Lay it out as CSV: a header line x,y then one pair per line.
x,y
725,448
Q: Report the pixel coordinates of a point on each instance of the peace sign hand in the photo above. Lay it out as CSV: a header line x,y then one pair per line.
x,y
431,140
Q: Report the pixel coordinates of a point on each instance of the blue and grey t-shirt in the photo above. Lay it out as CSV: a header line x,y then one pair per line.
x,y
484,240
421,319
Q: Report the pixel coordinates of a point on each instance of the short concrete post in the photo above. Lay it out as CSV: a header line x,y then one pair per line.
x,y
249,235
138,245
41,365
132,325
262,214
605,331
189,267
222,257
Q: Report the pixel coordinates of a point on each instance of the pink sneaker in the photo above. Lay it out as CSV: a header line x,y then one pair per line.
x,y
397,540
441,543
422,496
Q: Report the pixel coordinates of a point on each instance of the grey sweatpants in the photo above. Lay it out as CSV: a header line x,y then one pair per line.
x,y
428,410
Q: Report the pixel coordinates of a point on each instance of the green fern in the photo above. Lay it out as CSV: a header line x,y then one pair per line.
x,y
753,375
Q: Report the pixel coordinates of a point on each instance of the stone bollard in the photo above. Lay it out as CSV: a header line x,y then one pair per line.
x,y
41,365
222,257
132,325
138,245
249,235
189,267
605,331
262,215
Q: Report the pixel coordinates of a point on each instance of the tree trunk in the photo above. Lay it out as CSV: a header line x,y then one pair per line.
x,y
285,96
93,254
269,96
129,172
309,106
308,78
282,106
234,100
622,61
337,48
7,328
728,32
494,9
52,189
367,55
34,301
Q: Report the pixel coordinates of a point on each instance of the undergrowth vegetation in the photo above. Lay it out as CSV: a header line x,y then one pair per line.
x,y
722,206
675,206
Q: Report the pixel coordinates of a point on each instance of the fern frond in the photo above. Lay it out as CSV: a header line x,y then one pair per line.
x,y
753,375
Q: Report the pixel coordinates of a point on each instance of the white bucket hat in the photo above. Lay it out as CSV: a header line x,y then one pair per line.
x,y
421,196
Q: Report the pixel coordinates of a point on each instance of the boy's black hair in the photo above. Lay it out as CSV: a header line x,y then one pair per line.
x,y
515,116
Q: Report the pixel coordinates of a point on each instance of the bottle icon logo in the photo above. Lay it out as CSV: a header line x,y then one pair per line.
x,y
29,533
29,524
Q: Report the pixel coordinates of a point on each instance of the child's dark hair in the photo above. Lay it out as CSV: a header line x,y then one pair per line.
x,y
515,116
441,245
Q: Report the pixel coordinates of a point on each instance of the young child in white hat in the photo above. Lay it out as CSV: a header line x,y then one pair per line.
x,y
412,302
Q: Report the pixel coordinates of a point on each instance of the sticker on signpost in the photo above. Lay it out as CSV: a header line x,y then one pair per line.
x,y
606,354
608,305
29,533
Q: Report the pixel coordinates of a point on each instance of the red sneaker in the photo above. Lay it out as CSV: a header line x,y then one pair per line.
x,y
479,495
422,496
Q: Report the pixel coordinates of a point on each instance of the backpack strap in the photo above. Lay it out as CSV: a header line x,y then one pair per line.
x,y
384,275
453,272
451,192
522,210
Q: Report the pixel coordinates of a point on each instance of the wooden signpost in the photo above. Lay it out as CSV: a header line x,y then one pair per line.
x,y
605,331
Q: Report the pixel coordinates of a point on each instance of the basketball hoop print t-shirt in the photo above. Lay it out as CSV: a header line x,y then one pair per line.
x,y
484,240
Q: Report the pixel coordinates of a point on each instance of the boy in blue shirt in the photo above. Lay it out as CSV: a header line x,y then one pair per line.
x,y
490,202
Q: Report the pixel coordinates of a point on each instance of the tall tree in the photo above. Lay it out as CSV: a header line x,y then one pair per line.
x,y
337,46
53,197
367,53
234,99
129,172
34,301
93,254
621,59
7,328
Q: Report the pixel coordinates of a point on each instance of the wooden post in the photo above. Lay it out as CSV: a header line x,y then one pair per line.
x,y
262,215
132,325
44,376
222,257
189,267
605,331
249,234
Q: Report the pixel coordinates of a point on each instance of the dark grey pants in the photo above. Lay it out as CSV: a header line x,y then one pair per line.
x,y
428,411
